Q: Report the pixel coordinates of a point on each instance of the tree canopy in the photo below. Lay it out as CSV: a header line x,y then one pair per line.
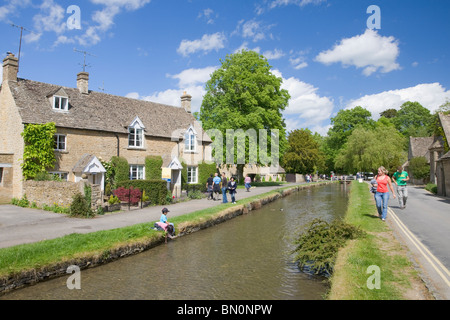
x,y
368,149
303,154
244,94
413,120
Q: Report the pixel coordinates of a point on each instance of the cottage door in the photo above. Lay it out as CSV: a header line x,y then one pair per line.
x,y
175,184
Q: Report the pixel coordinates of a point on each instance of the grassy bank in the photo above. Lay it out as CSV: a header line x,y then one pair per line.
x,y
353,270
53,256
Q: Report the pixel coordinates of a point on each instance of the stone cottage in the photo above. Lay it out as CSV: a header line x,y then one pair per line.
x,y
92,126
433,149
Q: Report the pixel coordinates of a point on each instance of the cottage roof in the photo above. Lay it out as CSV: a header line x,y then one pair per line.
x,y
445,122
418,147
98,111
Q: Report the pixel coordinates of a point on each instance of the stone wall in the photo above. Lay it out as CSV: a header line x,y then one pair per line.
x,y
59,192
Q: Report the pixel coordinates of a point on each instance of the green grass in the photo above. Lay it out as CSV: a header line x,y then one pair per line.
x,y
378,248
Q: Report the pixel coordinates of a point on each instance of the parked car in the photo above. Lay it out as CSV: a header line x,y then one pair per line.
x,y
368,176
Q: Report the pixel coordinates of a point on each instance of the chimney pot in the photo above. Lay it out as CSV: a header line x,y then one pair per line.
x,y
83,82
10,67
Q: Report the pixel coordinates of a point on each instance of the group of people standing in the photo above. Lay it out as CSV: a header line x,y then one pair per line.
x,y
382,182
215,185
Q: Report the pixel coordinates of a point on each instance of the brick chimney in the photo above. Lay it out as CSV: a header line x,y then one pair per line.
x,y
186,102
83,82
10,68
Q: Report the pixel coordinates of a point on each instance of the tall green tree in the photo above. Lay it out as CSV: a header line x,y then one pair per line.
x,y
368,149
38,154
414,120
303,154
243,94
342,127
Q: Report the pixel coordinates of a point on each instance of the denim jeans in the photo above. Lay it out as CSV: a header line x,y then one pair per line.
x,y
224,195
381,199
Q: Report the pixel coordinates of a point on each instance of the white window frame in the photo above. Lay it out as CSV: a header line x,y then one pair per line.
x,y
63,175
58,137
136,134
190,140
60,103
137,172
192,175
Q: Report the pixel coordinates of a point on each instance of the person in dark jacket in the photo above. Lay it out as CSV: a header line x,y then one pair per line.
x,y
232,185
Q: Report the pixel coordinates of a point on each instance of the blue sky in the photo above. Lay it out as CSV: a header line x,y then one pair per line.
x,y
323,49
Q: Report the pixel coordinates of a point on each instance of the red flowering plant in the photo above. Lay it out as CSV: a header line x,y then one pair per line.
x,y
128,195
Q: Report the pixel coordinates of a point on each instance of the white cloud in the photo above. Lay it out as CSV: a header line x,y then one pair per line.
x,y
244,46
279,3
11,7
253,29
429,95
273,55
127,4
369,51
51,18
300,3
207,43
305,101
208,14
193,77
190,80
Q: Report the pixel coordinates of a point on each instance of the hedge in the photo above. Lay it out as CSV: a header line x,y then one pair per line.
x,y
153,166
121,169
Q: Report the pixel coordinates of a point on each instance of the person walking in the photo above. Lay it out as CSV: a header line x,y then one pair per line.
x,y
400,178
248,182
232,185
224,188
209,186
216,186
382,194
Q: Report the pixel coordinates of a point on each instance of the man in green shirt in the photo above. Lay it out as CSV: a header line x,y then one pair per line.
x,y
400,177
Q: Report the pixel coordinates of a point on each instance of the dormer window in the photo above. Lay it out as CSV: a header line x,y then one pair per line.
x,y
60,103
136,134
190,141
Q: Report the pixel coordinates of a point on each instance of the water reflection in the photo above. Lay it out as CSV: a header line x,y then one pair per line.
x,y
246,258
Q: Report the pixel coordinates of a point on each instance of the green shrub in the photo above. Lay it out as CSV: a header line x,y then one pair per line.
x,y
197,194
113,199
80,207
431,187
419,167
318,246
24,203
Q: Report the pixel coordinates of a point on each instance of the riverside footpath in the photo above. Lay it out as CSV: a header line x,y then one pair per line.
x,y
24,225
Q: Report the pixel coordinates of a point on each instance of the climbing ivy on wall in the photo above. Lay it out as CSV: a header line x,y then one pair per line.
x,y
38,154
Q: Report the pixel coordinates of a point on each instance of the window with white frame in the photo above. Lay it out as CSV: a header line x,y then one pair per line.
x,y
60,142
60,103
136,134
137,172
1,175
61,175
192,174
190,141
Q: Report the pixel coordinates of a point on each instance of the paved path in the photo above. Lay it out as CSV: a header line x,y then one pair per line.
x,y
424,225
23,225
